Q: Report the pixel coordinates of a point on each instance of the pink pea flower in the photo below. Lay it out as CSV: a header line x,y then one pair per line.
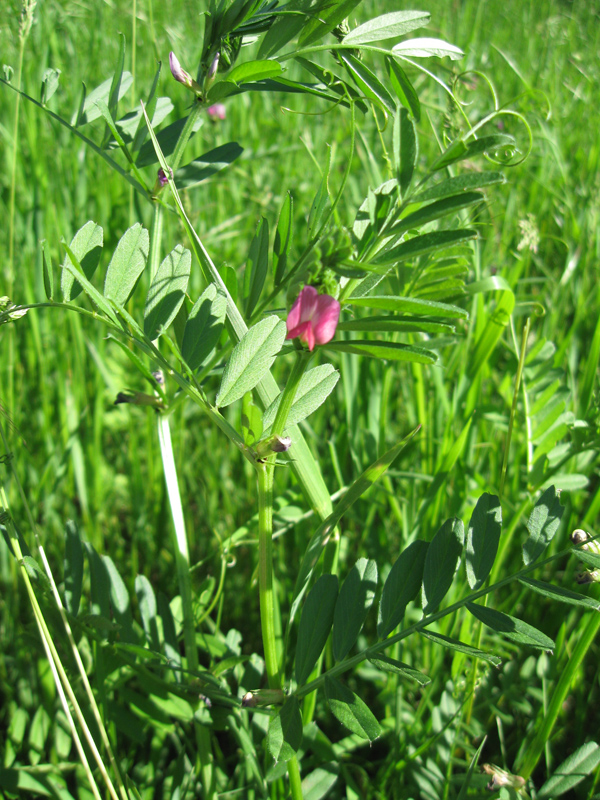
x,y
313,318
217,111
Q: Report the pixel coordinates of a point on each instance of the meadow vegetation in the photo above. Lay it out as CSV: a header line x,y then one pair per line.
x,y
484,413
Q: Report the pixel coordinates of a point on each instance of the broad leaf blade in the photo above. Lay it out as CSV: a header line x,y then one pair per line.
x,y
287,26
410,305
387,26
167,292
514,629
283,239
207,164
351,711
314,388
405,91
368,82
48,270
401,587
572,771
406,148
148,611
561,594
254,71
251,359
315,624
127,264
399,668
423,244
457,185
203,327
426,47
73,569
328,17
89,110
285,731
353,604
461,647
542,524
119,601
257,265
482,539
441,563
437,210
392,351
87,247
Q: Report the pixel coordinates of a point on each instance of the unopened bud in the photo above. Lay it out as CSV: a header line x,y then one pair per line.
x,y
178,72
579,536
212,70
263,697
274,444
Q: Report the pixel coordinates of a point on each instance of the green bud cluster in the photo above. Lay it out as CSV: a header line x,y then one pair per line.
x,y
324,265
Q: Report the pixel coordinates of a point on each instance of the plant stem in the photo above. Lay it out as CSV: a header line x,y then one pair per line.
x,y
289,393
265,474
182,561
265,571
295,779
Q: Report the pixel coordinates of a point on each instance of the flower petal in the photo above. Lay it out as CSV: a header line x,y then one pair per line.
x,y
303,307
325,320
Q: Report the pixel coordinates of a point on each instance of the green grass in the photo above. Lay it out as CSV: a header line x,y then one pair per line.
x,y
80,457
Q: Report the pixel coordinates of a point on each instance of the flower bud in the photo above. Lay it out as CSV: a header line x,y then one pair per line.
x,y
581,537
263,697
181,75
212,70
274,444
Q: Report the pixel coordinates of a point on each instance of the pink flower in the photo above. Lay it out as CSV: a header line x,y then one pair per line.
x,y
313,318
217,111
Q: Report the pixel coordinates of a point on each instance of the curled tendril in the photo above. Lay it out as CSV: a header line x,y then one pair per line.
x,y
504,156
313,113
528,309
459,80
4,459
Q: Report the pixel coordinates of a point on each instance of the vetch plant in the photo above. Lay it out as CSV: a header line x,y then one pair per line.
x,y
384,282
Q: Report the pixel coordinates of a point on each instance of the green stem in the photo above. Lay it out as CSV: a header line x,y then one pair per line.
x,y
289,393
295,779
184,137
265,572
